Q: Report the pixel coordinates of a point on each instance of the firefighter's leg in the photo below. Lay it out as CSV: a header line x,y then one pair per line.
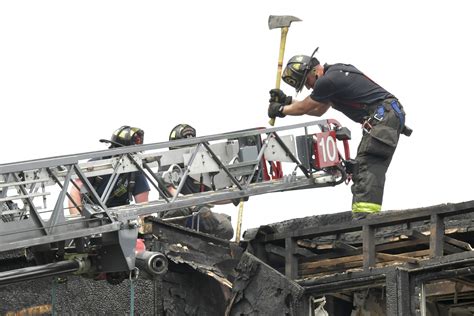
x,y
369,184
374,155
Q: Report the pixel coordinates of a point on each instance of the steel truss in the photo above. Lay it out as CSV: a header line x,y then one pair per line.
x,y
234,165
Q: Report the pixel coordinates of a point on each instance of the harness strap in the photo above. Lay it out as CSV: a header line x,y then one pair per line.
x,y
398,112
131,185
379,114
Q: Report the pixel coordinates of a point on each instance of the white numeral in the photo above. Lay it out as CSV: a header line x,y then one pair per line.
x,y
328,148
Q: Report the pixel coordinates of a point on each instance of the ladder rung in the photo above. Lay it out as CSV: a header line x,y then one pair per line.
x,y
19,197
10,184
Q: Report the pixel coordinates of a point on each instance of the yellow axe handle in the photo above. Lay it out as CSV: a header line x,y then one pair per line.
x,y
284,32
239,221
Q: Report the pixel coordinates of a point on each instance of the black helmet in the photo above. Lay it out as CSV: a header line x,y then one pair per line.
x,y
127,136
297,70
181,131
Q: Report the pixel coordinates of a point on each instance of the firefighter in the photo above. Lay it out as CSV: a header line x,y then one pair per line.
x,y
210,222
129,185
348,90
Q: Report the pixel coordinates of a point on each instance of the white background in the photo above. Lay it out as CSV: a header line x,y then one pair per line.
x,y
72,72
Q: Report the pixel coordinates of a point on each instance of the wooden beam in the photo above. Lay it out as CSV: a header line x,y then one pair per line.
x,y
368,246
280,251
464,281
388,257
339,252
305,243
330,262
291,262
398,244
458,243
343,260
331,269
450,245
436,236
342,245
384,219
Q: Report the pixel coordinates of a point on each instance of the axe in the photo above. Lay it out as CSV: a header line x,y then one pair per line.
x,y
282,22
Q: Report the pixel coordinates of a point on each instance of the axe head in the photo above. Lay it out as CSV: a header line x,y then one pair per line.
x,y
279,21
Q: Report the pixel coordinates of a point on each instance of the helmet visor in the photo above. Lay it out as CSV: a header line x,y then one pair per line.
x,y
134,136
137,138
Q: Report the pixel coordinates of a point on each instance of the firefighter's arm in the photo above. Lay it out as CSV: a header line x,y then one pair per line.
x,y
141,197
76,197
306,106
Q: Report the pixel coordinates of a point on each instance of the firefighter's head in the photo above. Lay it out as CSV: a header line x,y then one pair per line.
x,y
297,70
182,131
127,136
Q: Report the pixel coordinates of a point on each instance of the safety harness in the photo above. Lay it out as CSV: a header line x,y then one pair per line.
x,y
379,110
379,114
118,190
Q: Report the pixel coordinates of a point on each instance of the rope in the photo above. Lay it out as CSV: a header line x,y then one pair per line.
x,y
133,277
132,298
53,297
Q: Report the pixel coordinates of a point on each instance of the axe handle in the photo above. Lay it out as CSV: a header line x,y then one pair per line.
x,y
239,221
284,32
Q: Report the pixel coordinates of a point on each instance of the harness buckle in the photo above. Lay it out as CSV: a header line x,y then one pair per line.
x,y
366,126
378,116
379,113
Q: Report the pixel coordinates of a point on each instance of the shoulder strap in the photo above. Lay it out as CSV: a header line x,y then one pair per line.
x,y
131,184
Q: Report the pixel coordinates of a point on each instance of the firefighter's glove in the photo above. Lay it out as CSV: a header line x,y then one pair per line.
x,y
276,95
236,202
275,109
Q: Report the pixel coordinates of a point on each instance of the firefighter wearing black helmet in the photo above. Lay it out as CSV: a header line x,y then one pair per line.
x,y
127,136
210,222
132,185
346,89
182,131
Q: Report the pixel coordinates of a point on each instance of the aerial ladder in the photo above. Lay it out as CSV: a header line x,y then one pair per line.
x,y
102,239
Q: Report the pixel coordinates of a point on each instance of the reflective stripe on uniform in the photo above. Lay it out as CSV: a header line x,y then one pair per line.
x,y
366,207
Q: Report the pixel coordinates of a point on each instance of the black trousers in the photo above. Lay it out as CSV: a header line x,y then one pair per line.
x,y
374,155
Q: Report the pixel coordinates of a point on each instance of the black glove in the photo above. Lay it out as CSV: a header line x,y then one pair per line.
x,y
237,201
276,95
275,109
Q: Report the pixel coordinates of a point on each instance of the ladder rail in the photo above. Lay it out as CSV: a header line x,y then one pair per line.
x,y
75,227
75,158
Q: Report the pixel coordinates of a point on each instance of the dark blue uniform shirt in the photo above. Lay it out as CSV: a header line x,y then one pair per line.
x,y
349,91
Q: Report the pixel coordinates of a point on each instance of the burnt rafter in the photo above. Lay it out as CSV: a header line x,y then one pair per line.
x,y
398,251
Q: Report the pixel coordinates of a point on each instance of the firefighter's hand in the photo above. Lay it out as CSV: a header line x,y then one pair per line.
x,y
237,201
276,95
275,109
